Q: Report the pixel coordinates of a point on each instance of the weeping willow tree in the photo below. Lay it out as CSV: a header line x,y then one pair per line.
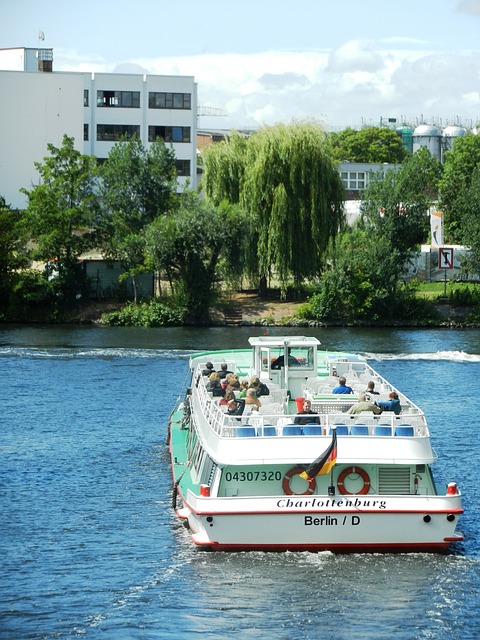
x,y
286,179
225,169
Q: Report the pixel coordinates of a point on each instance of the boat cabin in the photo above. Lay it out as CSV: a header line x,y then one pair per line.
x,y
288,362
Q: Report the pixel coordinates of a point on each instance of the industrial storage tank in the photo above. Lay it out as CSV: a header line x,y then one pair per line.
x,y
450,134
427,135
406,134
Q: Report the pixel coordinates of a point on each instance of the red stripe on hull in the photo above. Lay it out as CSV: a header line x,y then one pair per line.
x,y
428,547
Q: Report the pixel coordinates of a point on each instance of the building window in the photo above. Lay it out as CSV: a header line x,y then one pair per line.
x,y
115,132
356,180
85,97
85,131
353,180
182,167
163,100
125,99
169,134
361,180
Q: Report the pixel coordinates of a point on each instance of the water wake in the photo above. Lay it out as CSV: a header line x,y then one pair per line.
x,y
67,353
437,356
103,353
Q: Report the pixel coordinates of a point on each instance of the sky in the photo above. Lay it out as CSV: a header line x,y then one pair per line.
x,y
260,62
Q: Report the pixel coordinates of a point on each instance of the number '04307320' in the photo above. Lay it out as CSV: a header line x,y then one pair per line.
x,y
253,476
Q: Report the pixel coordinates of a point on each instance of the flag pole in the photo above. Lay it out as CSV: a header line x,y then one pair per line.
x,y
331,488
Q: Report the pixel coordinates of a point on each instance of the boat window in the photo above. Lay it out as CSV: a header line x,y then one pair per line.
x,y
197,453
191,441
206,474
303,357
297,357
264,358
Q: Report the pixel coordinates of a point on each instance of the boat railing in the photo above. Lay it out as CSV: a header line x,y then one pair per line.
x,y
319,389
273,421
272,425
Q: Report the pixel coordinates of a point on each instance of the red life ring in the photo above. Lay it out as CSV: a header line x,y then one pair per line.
x,y
289,475
355,470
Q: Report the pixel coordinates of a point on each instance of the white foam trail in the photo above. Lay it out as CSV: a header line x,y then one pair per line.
x,y
173,354
111,353
437,356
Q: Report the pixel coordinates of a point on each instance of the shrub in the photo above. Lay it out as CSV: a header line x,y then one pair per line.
x,y
362,303
33,298
145,314
464,297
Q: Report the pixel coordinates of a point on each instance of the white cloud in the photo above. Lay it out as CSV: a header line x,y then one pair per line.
x,y
356,55
360,81
284,81
470,7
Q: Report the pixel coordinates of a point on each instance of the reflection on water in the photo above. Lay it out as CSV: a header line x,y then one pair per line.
x,y
356,596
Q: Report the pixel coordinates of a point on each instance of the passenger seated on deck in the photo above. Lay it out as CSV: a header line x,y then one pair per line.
x,y
226,399
214,384
364,405
243,389
280,361
370,390
208,369
254,411
251,398
233,383
342,386
236,407
307,416
223,373
261,388
391,405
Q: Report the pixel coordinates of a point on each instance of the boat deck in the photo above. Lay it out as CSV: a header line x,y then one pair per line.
x,y
366,437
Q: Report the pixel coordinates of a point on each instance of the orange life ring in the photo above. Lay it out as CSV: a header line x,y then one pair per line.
x,y
289,475
359,471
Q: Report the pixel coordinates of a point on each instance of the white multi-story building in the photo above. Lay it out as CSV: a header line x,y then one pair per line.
x,y
38,106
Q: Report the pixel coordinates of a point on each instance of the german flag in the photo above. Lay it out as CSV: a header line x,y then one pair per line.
x,y
323,464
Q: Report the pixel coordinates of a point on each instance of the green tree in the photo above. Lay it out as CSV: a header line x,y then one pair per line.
x,y
360,284
469,205
13,253
360,281
396,205
459,168
188,246
285,179
225,165
137,186
61,213
294,194
370,144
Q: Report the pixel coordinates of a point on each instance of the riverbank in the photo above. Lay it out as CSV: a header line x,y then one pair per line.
x,y
248,309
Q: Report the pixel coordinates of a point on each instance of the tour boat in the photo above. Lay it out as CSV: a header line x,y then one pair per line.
x,y
331,480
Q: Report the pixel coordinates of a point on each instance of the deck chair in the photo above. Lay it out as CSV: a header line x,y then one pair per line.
x,y
312,430
292,430
246,432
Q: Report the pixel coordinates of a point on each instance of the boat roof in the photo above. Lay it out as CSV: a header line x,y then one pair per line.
x,y
282,341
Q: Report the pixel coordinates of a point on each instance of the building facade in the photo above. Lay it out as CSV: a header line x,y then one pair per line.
x,y
39,106
355,176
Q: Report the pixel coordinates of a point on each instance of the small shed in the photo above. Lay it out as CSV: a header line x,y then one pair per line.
x,y
104,279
